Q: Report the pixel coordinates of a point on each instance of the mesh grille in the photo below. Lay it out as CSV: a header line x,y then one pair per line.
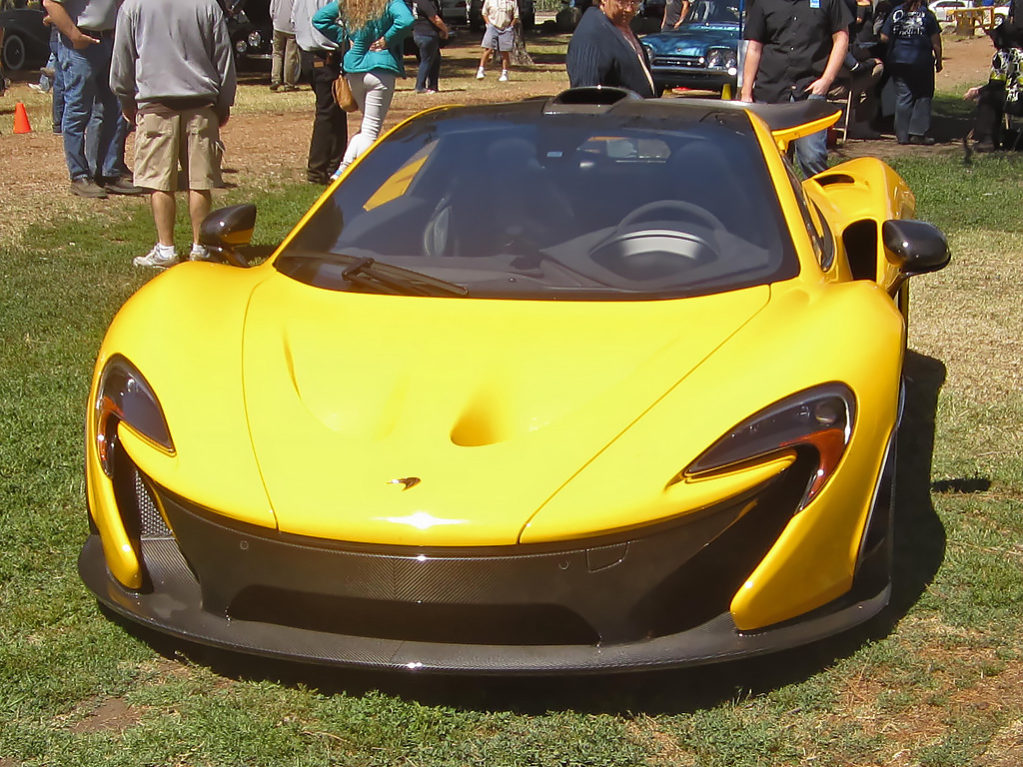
x,y
151,524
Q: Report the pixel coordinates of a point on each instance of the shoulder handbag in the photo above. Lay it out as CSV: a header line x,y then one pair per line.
x,y
343,94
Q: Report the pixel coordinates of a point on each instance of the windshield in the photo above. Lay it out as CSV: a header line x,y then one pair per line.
x,y
712,12
554,207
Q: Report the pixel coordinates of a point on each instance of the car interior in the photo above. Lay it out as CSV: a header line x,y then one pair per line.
x,y
562,209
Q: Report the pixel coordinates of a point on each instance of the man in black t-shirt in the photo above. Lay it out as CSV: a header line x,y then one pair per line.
x,y
796,49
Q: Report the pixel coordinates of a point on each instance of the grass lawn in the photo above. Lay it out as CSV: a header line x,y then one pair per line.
x,y
937,682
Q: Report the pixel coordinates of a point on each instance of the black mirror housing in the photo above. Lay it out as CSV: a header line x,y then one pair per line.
x,y
915,247
225,230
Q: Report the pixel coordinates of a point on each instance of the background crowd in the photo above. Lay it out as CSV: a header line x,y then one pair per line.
x,y
166,70
880,58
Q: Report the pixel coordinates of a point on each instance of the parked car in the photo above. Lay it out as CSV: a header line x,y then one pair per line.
x,y
454,12
26,40
634,406
251,30
701,53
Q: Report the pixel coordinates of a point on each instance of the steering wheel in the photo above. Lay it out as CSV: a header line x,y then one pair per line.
x,y
681,206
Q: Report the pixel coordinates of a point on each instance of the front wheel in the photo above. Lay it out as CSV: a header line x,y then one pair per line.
x,y
14,52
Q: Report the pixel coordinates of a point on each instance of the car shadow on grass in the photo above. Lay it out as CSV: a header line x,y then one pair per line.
x,y
919,551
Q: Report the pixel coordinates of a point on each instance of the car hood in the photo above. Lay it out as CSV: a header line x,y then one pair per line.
x,y
440,421
694,39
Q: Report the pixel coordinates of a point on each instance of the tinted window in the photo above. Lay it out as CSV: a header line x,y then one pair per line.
x,y
561,206
712,11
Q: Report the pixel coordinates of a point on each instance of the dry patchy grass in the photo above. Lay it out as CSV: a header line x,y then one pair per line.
x,y
969,315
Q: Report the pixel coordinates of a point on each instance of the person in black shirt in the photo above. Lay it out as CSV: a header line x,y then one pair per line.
x,y
796,49
914,55
427,32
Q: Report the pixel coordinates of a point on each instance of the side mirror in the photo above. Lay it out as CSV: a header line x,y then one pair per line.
x,y
225,230
915,247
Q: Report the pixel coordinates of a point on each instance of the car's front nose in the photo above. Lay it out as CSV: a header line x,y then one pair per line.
x,y
657,596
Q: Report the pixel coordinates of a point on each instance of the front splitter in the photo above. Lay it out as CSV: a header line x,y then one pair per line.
x,y
174,607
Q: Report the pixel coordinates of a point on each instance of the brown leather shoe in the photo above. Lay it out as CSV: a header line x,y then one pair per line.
x,y
86,187
121,185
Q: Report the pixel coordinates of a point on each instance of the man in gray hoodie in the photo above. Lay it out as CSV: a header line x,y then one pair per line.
x,y
173,72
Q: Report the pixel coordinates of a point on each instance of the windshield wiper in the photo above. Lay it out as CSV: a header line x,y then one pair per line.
x,y
366,272
369,271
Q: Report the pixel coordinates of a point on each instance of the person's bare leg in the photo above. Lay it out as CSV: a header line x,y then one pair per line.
x,y
485,58
164,210
199,203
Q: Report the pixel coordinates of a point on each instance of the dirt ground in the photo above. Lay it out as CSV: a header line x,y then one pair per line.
x,y
268,134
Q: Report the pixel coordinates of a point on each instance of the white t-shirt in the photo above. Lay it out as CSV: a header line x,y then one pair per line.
x,y
501,13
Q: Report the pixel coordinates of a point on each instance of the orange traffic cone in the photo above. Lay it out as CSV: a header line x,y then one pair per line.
x,y
21,124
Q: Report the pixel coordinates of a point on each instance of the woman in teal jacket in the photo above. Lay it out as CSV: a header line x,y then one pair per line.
x,y
376,30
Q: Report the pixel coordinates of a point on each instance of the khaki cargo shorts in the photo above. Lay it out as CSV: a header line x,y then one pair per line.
x,y
189,138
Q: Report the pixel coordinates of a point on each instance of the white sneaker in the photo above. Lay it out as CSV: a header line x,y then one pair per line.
x,y
160,257
504,76
199,253
480,74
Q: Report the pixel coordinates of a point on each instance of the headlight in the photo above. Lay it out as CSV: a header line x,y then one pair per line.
x,y
254,39
721,58
240,46
124,395
818,420
649,51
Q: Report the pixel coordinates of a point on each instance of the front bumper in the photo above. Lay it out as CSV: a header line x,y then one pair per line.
x,y
696,78
650,599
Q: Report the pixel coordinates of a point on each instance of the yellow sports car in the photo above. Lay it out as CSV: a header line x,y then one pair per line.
x,y
577,385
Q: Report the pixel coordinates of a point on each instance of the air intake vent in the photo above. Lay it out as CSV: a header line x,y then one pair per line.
x,y
151,524
594,98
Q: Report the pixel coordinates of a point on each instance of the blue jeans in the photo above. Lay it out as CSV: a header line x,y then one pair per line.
x,y
92,135
429,61
812,150
57,87
86,76
914,89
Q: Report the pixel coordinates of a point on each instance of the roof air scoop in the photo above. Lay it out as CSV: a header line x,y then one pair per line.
x,y
588,99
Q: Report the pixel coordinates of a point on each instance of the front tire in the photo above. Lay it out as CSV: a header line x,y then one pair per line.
x,y
14,52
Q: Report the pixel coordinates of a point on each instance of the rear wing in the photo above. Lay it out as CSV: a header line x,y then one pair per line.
x,y
787,122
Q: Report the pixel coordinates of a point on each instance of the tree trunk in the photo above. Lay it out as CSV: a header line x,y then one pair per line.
x,y
520,56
